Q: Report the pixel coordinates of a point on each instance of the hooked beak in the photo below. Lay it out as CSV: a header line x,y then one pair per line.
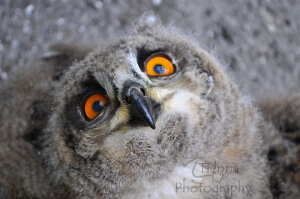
x,y
141,107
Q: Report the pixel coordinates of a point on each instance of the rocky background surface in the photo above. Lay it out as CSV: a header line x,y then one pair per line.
x,y
258,41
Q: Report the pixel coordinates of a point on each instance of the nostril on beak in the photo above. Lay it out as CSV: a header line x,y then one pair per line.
x,y
128,97
129,87
143,91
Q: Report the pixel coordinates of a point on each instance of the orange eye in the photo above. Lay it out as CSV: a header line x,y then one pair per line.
x,y
159,65
93,105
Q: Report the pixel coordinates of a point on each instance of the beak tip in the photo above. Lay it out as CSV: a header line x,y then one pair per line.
x,y
150,122
153,126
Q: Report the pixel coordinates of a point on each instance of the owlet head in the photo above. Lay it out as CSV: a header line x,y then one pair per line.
x,y
133,107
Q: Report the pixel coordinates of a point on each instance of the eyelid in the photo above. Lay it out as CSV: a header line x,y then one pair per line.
x,y
161,54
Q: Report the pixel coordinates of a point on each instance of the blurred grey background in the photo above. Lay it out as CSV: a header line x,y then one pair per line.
x,y
257,41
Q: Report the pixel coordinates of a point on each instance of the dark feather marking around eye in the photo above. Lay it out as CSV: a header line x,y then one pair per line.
x,y
143,54
33,138
73,119
91,84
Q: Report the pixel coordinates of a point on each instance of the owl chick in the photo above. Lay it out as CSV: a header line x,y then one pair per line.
x,y
149,116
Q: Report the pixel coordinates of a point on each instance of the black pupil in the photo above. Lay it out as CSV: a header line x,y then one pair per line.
x,y
159,69
97,106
